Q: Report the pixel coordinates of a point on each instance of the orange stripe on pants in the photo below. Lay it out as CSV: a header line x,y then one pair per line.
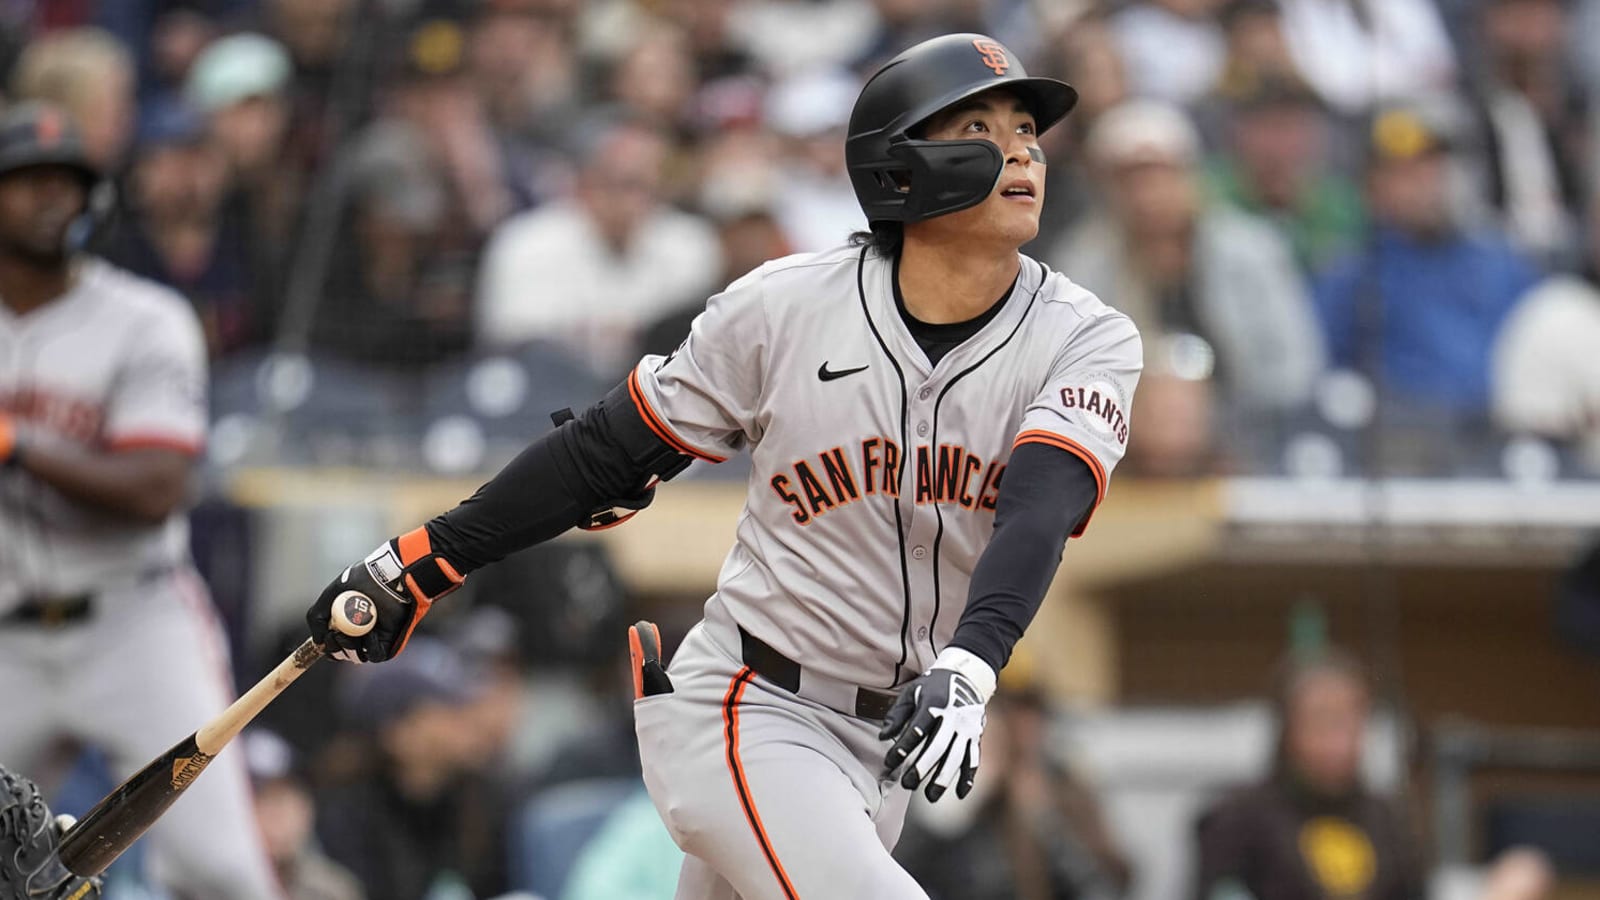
x,y
730,721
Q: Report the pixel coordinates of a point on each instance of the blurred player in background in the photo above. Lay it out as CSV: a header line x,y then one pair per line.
x,y
107,635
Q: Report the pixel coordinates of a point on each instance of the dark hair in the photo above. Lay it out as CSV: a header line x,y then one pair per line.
x,y
884,239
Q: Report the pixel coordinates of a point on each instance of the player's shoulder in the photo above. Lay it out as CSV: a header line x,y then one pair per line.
x,y
134,298
808,278
800,269
1072,308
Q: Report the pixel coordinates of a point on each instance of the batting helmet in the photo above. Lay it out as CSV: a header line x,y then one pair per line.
x,y
901,178
38,134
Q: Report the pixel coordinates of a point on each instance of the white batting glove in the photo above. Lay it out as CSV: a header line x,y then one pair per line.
x,y
937,723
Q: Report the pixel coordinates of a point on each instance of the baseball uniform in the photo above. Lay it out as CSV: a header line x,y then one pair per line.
x,y
872,494
107,635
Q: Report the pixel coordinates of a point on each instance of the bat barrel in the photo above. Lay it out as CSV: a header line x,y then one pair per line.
x,y
128,812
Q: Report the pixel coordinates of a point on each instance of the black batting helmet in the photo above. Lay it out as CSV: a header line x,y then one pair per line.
x,y
899,178
38,134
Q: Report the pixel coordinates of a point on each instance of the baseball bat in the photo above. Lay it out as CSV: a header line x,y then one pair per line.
x,y
126,813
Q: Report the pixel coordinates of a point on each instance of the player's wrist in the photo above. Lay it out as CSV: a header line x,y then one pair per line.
x,y
971,667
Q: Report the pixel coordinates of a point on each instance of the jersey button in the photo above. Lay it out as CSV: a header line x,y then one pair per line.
x,y
922,429
925,393
919,551
922,633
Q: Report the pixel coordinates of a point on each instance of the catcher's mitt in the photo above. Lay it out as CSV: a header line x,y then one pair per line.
x,y
29,866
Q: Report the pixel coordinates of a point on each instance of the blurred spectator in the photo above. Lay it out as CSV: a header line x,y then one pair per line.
x,y
1355,52
487,635
1221,283
1535,127
424,185
524,73
286,816
177,39
1173,48
1257,49
656,78
434,97
238,83
1082,51
90,74
1546,376
591,270
317,35
418,816
1420,305
631,857
708,24
900,24
1311,830
815,204
1030,830
179,235
1276,168
400,287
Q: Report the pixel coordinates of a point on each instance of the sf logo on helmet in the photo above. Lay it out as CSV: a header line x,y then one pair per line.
x,y
994,55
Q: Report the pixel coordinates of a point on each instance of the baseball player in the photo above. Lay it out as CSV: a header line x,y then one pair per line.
x,y
930,416
107,635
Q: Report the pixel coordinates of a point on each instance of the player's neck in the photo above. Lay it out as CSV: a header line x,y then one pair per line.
x,y
26,285
943,284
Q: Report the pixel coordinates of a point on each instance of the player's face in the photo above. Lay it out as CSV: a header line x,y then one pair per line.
x,y
37,206
1011,212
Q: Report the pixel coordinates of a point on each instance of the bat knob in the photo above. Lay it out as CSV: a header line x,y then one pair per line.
x,y
354,613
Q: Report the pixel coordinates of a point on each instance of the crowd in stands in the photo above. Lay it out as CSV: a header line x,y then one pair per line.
x,y
1329,217
1372,220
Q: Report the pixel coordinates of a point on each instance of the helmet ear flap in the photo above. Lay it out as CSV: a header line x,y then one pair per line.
x,y
947,176
101,201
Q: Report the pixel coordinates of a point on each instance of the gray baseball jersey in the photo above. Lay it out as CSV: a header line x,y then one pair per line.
x,y
875,475
117,362
872,495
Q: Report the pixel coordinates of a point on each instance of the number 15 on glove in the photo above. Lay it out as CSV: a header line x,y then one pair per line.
x,y
937,723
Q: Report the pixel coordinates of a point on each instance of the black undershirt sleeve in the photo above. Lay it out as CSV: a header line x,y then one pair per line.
x,y
555,483
1045,493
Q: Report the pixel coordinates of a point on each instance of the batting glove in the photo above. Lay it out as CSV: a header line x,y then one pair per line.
x,y
402,578
937,722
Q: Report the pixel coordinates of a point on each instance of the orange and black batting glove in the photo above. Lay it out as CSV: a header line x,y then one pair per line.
x,y
402,578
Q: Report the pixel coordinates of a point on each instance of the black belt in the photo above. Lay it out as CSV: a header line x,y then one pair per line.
x,y
52,612
785,673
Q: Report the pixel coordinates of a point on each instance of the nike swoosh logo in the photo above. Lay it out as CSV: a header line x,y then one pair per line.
x,y
825,374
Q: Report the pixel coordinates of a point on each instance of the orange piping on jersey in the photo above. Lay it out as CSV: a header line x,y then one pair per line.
x,y
658,425
730,719
154,441
1040,436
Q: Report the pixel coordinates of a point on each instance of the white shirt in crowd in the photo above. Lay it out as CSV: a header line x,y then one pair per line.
x,y
549,274
1389,49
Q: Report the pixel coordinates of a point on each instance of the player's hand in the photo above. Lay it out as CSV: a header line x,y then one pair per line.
x,y
937,722
30,840
402,578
